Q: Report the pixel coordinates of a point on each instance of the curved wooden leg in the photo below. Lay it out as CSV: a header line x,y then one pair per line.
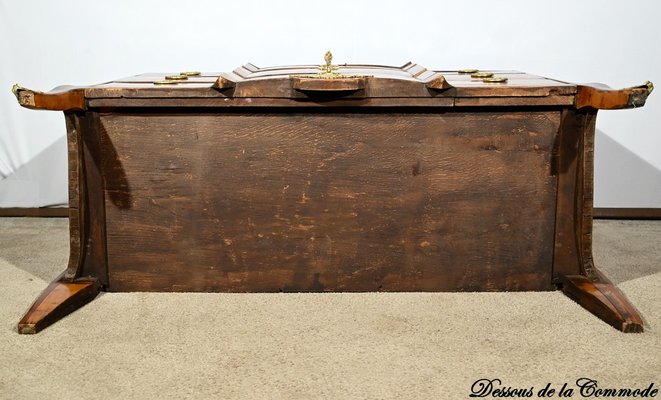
x,y
599,296
573,264
58,300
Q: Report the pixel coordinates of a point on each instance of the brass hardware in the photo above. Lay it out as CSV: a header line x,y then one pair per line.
x,y
482,75
166,82
190,73
176,77
495,80
468,71
27,329
26,99
328,70
17,88
637,97
650,87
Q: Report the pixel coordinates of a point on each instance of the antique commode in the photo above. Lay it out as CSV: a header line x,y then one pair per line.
x,y
349,178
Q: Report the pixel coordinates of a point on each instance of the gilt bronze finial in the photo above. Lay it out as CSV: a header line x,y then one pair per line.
x,y
328,71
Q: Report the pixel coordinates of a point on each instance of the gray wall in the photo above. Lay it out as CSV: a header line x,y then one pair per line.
x,y
45,44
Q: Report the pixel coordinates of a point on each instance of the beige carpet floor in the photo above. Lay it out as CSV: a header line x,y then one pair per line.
x,y
320,346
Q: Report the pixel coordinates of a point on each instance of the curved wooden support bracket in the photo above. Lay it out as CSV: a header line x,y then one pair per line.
x,y
63,98
603,299
605,98
59,299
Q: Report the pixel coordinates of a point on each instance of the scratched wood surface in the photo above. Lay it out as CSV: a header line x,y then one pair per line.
x,y
329,201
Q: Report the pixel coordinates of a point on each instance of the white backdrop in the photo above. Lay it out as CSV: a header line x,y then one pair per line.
x,y
44,44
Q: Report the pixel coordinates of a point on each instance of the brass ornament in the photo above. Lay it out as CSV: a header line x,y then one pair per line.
x,y
495,80
17,88
328,70
650,86
166,82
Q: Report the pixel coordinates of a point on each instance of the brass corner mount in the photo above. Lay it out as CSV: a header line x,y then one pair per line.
x,y
17,88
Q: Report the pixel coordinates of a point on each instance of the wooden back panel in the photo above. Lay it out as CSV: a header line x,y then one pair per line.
x,y
329,201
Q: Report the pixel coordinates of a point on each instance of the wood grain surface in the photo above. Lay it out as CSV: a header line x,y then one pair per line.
x,y
60,298
329,202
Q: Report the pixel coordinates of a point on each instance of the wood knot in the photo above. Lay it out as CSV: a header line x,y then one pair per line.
x,y
415,169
